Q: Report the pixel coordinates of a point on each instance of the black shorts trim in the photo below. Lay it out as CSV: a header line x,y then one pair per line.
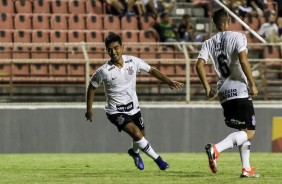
x,y
239,113
122,119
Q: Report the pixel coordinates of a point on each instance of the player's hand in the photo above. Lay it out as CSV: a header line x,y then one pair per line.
x,y
253,91
176,85
211,94
89,115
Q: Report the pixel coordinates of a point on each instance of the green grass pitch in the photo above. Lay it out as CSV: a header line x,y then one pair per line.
x,y
118,168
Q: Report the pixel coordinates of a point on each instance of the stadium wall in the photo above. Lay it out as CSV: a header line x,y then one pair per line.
x,y
169,128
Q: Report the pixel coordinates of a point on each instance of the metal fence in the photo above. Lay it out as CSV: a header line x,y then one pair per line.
x,y
61,71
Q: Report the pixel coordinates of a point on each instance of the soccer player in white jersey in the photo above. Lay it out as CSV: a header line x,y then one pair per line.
x,y
122,108
228,52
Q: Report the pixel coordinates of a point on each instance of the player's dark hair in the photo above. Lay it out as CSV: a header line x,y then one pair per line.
x,y
219,16
112,37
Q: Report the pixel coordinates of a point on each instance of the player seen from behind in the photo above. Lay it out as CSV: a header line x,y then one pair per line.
x,y
228,52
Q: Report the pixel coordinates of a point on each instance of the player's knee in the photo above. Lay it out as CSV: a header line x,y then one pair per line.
x,y
143,132
136,134
250,134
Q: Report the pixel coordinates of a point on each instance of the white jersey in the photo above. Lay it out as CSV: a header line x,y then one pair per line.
x,y
222,49
120,84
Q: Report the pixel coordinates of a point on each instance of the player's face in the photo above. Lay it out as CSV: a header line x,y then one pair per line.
x,y
115,50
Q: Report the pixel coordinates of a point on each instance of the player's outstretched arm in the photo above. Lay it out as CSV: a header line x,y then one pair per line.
x,y
89,102
162,77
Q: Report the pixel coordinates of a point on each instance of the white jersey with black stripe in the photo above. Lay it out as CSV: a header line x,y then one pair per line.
x,y
223,49
120,84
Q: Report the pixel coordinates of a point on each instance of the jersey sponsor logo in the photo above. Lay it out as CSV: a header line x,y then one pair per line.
x,y
227,94
128,61
237,122
130,70
233,123
125,108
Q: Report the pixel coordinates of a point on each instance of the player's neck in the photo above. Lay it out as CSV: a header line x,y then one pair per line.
x,y
223,28
119,63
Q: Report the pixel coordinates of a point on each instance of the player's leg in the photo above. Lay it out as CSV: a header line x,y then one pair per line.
x,y
233,118
136,134
120,120
232,140
244,151
245,148
135,129
135,146
247,170
132,130
138,121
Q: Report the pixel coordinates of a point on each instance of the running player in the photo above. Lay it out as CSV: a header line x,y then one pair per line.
x,y
228,52
122,108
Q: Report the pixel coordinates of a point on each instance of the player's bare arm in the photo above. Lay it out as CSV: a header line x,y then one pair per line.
x,y
202,75
172,84
89,102
248,72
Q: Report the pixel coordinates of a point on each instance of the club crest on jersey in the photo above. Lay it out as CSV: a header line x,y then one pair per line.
x,y
254,120
130,70
120,120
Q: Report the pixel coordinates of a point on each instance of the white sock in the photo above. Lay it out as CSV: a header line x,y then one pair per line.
x,y
144,145
135,147
232,140
245,150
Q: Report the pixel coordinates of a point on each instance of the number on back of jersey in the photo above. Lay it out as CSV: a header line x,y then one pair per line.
x,y
223,66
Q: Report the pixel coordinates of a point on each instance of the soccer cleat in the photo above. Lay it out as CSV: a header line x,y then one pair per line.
x,y
213,155
162,164
137,159
249,174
